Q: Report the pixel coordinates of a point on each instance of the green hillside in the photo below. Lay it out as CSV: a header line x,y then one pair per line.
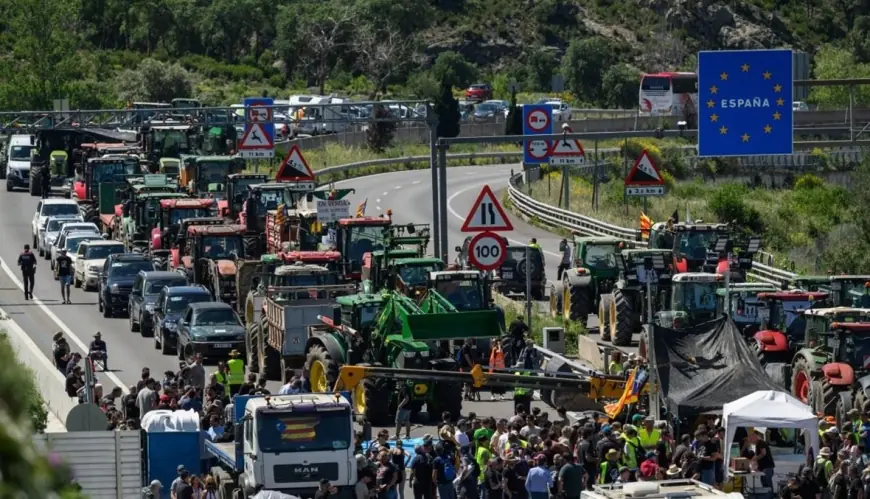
x,y
102,53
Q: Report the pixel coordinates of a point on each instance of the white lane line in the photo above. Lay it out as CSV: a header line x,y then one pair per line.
x,y
378,200
415,182
385,193
469,173
81,344
460,217
397,187
378,208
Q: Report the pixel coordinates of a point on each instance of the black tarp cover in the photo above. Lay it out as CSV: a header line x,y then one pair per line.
x,y
700,369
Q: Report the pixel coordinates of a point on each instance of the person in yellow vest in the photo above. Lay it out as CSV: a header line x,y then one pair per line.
x,y
649,436
631,449
235,372
522,396
220,377
615,366
609,471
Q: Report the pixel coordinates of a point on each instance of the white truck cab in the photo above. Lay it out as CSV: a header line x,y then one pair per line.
x,y
16,171
288,443
682,487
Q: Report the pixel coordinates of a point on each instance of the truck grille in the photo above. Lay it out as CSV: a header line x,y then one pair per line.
x,y
289,473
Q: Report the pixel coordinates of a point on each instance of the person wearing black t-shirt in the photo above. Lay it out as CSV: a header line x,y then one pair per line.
x,y
466,362
764,459
420,475
325,490
63,264
707,451
808,488
27,262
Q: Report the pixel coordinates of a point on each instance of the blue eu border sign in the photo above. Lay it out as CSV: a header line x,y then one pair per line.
x,y
745,103
537,120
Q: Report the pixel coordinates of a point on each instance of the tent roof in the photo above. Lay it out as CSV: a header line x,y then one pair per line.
x,y
769,408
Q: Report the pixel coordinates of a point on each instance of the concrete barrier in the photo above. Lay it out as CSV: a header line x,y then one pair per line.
x,y
49,380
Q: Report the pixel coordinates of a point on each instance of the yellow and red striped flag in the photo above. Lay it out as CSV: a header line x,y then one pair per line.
x,y
361,209
646,224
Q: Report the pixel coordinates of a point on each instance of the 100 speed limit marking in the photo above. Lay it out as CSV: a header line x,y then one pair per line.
x,y
487,251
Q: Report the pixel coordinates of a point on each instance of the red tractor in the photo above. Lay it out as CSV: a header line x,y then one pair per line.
x,y
783,323
354,237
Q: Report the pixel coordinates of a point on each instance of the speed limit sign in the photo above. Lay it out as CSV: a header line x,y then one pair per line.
x,y
487,251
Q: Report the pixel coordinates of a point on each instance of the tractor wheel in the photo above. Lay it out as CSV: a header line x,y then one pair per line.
x,y
817,402
444,397
251,247
830,394
756,348
556,294
35,180
626,319
778,373
606,322
576,303
376,397
801,381
252,346
320,370
859,401
842,407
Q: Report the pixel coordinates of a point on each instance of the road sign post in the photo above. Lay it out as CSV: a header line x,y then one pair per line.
x,y
258,141
745,103
644,179
537,120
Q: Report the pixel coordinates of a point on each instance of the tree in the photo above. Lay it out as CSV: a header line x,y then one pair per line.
x,y
381,129
583,65
382,53
324,32
514,122
832,63
859,39
452,69
447,109
154,81
620,86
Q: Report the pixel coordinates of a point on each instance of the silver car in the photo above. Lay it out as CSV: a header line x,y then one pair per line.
x,y
70,242
51,231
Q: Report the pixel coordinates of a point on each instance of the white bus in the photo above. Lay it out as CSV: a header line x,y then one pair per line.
x,y
669,94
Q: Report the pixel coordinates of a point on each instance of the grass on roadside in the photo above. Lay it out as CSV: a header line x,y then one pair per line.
x,y
513,309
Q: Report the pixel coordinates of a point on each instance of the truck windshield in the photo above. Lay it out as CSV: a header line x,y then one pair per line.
x,y
694,244
179,214
365,239
155,286
60,209
304,431
747,309
217,247
464,295
72,243
217,317
788,316
368,315
269,199
600,256
55,225
114,171
21,153
417,274
696,297
103,251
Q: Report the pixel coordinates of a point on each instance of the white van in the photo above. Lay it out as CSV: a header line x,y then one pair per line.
x,y
16,169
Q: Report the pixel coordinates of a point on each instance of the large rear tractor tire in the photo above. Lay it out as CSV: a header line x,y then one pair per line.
x,y
626,319
606,322
801,381
445,397
376,393
778,372
577,303
251,246
556,294
35,187
320,370
842,407
830,394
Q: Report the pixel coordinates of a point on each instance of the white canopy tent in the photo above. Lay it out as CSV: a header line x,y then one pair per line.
x,y
769,409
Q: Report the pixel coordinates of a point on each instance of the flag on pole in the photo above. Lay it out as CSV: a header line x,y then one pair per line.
x,y
645,225
361,209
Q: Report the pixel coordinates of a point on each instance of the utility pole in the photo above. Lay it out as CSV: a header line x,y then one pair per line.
x,y
442,197
432,121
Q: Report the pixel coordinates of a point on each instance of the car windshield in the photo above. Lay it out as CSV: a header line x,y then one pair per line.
x,y
155,286
365,239
696,297
103,251
269,199
217,247
694,244
21,153
55,225
304,431
72,243
113,171
600,256
213,171
130,268
555,105
50,210
415,275
464,295
180,302
179,214
216,317
486,108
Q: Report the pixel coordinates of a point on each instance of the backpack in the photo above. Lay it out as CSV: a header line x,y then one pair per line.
x,y
449,471
819,474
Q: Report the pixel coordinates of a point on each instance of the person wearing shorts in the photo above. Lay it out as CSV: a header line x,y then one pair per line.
x,y
403,413
64,274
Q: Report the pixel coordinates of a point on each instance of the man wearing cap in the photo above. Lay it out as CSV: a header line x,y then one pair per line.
x,y
235,372
609,471
624,475
325,489
182,474
649,436
153,491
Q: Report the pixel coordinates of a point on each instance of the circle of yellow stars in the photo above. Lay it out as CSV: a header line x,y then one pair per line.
x,y
714,90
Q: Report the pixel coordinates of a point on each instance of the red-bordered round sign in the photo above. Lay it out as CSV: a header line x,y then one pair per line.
x,y
538,149
259,114
538,120
487,251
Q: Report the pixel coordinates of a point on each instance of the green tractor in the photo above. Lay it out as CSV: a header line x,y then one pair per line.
x,y
205,176
810,282
831,373
404,336
743,304
401,264
593,273
850,290
97,187
692,302
623,312
140,211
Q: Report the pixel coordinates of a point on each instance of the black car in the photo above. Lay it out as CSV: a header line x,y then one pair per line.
x,y
116,281
511,276
146,287
211,329
168,310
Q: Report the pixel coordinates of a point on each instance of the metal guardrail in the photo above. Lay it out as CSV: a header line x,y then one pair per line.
x,y
557,217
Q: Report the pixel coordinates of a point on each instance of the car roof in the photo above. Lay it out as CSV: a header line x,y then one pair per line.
x,y
186,290
59,201
210,305
67,216
78,234
129,257
103,242
20,140
162,274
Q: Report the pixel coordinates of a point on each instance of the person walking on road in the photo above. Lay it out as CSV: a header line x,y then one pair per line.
x,y
565,263
27,262
64,274
45,181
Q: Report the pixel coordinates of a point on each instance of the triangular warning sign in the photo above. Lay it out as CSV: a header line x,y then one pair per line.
x,y
487,214
256,138
564,148
294,168
644,172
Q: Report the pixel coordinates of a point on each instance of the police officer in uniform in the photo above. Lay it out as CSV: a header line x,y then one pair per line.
x,y
27,262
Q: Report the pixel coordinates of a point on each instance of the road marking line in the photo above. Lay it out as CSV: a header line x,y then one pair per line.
x,y
377,207
378,200
397,187
84,348
460,217
384,194
415,182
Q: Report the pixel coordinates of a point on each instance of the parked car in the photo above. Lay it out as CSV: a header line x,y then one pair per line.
x,y
51,231
50,208
479,92
490,110
116,281
211,329
561,110
143,297
799,106
90,258
70,242
168,310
